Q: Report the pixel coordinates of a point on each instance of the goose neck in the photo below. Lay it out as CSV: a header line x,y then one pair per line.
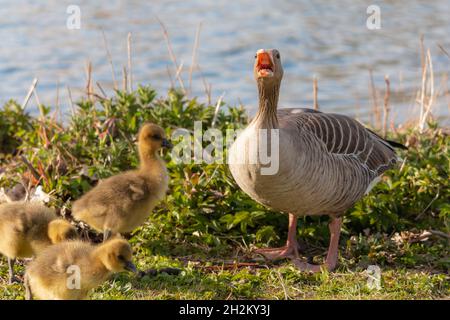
x,y
268,103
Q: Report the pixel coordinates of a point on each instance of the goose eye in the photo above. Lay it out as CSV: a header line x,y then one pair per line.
x,y
256,56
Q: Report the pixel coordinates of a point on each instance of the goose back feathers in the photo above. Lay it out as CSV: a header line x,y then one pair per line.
x,y
327,162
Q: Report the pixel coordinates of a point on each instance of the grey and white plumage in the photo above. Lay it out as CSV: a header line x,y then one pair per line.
x,y
327,161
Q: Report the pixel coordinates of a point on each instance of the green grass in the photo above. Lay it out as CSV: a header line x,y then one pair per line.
x,y
274,282
206,220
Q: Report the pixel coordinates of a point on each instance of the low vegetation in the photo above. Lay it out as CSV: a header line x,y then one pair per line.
x,y
207,227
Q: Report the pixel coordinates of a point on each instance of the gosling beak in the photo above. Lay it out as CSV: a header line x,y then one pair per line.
x,y
264,64
167,144
130,267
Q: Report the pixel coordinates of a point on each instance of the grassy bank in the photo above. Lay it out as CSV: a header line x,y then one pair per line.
x,y
207,227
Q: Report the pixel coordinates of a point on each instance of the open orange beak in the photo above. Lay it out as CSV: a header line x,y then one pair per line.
x,y
264,64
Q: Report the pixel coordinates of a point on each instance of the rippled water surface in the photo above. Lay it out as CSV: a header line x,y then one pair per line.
x,y
326,39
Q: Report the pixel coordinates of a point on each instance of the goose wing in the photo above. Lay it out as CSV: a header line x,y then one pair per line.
x,y
341,135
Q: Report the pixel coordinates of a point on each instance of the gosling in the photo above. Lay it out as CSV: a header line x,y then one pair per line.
x,y
121,203
26,228
69,270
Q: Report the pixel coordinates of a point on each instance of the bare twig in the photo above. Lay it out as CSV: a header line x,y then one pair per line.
x,y
30,92
286,295
440,233
194,56
216,112
172,84
179,70
130,73
428,206
38,102
386,106
422,53
101,90
315,89
426,102
443,50
70,100
206,85
376,112
124,79
171,53
89,79
108,54
33,171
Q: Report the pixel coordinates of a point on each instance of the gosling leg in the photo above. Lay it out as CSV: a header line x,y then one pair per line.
x,y
28,294
12,279
107,233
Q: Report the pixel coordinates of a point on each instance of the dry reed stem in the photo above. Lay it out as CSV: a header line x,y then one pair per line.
x,y
194,55
376,117
38,102
89,89
422,53
179,70
216,111
315,90
386,105
172,84
130,71
443,50
57,114
426,99
108,55
171,53
207,86
124,79
70,100
101,90
30,92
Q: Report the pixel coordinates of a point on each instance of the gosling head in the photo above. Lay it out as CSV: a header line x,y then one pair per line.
x,y
60,230
152,138
116,255
268,70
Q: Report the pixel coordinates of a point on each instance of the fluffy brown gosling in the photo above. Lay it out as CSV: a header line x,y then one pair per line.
x,y
27,228
69,270
123,202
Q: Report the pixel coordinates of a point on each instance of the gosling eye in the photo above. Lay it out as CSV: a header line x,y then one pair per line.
x,y
256,56
278,56
121,258
155,137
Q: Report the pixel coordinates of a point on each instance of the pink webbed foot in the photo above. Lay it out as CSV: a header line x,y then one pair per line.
x,y
290,250
287,251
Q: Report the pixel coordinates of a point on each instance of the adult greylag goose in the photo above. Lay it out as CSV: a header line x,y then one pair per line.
x,y
324,162
123,202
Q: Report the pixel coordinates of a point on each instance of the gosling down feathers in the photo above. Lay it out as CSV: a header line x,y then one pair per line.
x,y
26,228
123,202
326,162
69,270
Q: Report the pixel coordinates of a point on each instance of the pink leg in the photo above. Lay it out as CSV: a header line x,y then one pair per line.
x,y
333,249
291,247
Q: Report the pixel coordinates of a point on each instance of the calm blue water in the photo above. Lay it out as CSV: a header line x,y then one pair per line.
x,y
322,38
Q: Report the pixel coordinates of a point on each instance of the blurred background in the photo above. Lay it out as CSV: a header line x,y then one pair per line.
x,y
323,39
